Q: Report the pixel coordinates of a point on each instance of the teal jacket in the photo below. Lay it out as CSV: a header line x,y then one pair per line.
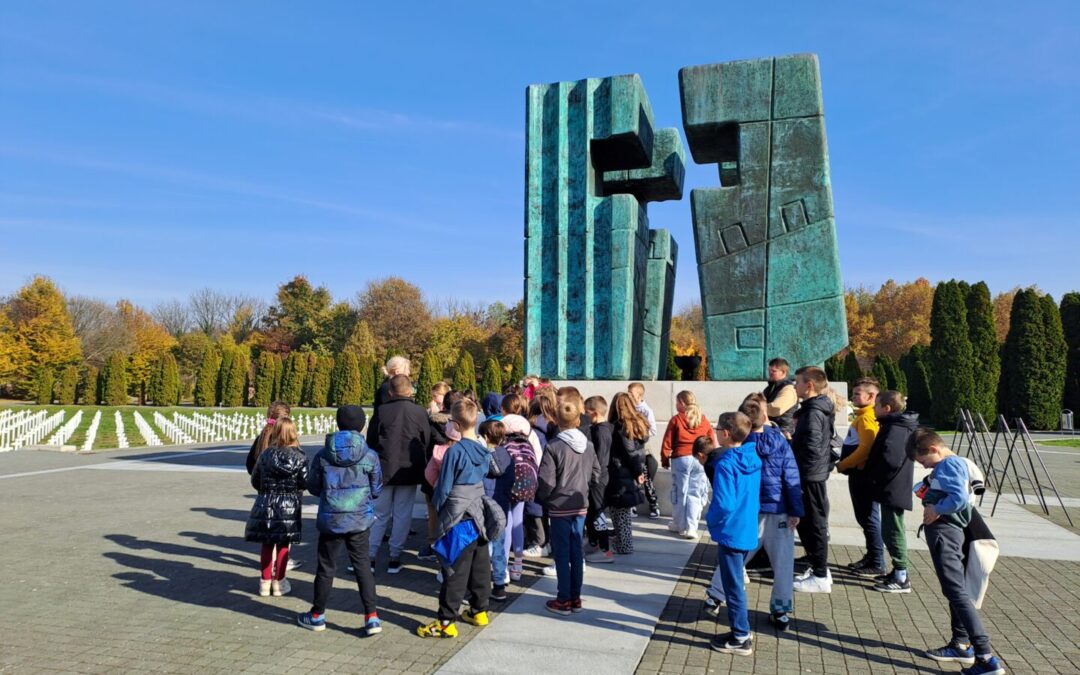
x,y
736,498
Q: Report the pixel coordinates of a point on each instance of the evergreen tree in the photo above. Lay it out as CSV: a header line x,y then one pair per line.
x,y
69,385
897,379
45,385
465,373
673,373
852,370
985,350
1055,354
834,368
430,374
918,380
292,378
1070,320
172,386
114,388
320,381
517,372
224,371
1023,391
279,372
235,380
206,379
950,355
265,368
492,381
88,386
347,385
306,394
369,378
880,372
153,386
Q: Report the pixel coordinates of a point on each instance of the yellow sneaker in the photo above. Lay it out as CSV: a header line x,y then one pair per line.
x,y
439,629
475,618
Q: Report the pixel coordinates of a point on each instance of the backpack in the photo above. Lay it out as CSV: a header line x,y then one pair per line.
x,y
526,472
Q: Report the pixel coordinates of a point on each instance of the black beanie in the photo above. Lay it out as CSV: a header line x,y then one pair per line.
x,y
351,418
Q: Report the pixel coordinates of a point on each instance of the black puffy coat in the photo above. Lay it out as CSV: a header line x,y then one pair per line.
x,y
812,440
626,465
399,432
280,476
601,439
888,471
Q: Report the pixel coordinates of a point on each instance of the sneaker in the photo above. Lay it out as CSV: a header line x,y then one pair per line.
x,y
590,547
427,555
498,593
712,606
280,588
350,569
264,588
654,512
861,562
292,564
991,666
439,576
600,557
575,606
780,620
557,606
515,572
475,618
953,653
535,552
372,626
813,584
438,629
892,584
871,572
550,571
394,566
690,535
729,645
311,622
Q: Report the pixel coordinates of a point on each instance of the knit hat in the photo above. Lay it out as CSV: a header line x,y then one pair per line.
x,y
351,418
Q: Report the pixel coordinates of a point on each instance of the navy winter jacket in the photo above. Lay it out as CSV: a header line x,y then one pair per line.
x,y
781,491
500,477
346,476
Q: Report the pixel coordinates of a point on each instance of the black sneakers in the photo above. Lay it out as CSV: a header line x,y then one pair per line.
x,y
394,566
729,645
892,584
780,620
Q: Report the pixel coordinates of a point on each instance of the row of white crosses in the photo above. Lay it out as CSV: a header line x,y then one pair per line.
x,y
147,433
19,430
91,432
312,425
62,434
174,432
121,436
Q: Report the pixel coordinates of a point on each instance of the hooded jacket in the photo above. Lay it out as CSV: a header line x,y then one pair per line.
x,y
811,441
679,437
600,435
278,475
465,463
568,470
860,438
399,432
626,465
346,476
889,471
733,512
781,491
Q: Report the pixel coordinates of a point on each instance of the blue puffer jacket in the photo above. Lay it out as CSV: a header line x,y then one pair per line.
x,y
733,512
346,477
781,491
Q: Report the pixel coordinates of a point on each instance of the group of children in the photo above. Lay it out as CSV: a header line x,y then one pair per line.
x,y
582,464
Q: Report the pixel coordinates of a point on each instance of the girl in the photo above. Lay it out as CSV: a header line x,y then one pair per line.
x,y
544,424
438,392
279,475
276,411
627,468
677,454
497,485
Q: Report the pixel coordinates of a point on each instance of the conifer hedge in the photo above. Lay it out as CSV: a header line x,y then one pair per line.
x,y
234,381
265,370
985,351
430,375
320,381
44,385
517,371
492,381
881,373
465,373
114,387
164,386
346,381
1070,321
951,361
292,378
69,385
917,375
852,370
1032,379
206,379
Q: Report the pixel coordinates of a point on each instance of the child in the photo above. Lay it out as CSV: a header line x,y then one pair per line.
x,y
346,477
276,411
781,508
567,471
637,394
438,392
947,511
811,443
467,522
597,526
676,453
732,521
853,456
890,474
698,487
498,485
626,472
274,522
441,436
524,449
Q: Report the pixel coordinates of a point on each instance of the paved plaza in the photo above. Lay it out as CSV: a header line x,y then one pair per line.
x,y
135,561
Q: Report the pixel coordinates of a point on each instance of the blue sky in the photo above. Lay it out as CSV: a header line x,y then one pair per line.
x,y
148,149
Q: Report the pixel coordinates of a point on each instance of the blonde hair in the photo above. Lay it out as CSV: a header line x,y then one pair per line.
x,y
398,365
439,388
569,415
623,411
284,434
277,411
543,403
464,413
692,410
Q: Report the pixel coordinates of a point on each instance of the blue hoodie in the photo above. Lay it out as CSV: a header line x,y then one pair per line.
x,y
346,476
465,463
733,512
781,491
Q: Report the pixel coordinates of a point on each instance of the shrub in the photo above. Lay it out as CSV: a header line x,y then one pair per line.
x,y
430,375
1070,321
985,350
44,385
114,388
265,370
206,379
950,355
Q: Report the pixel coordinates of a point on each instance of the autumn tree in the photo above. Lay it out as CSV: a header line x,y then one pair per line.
x,y
397,315
150,340
901,316
100,329
301,312
1070,320
1003,303
174,316
361,342
42,335
858,303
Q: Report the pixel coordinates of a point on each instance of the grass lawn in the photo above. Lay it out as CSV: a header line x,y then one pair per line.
x,y
1063,443
106,433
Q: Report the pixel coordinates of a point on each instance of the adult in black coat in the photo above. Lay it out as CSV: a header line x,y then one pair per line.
x,y
396,365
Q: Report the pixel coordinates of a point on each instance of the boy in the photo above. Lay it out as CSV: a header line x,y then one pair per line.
x,y
597,526
346,476
890,473
947,511
732,521
781,509
853,456
567,472
637,393
464,518
811,443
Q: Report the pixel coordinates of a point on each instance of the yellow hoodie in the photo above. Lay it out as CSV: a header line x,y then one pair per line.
x,y
864,428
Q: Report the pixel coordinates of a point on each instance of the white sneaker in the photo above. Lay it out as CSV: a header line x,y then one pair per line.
x,y
549,571
292,564
535,552
280,588
600,557
813,584
264,588
690,534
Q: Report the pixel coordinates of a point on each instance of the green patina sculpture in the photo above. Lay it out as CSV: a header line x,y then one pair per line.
x,y
766,239
599,282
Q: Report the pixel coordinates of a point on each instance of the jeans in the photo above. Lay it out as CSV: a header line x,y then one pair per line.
x,y
394,503
566,533
680,491
330,546
892,532
946,545
868,516
497,551
729,562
